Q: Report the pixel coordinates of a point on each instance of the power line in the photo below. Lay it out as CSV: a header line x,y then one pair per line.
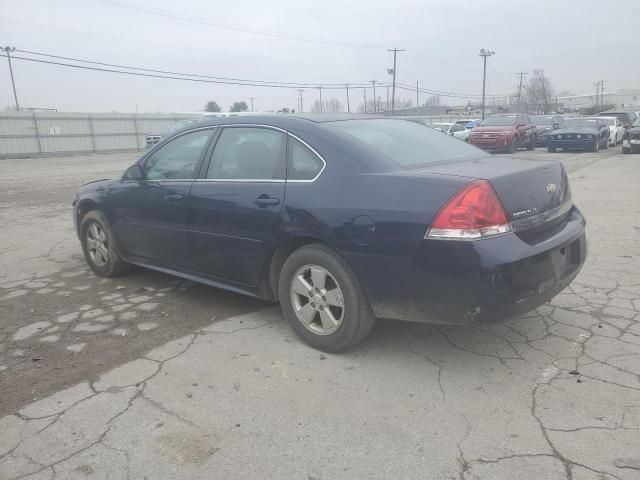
x,y
186,49
169,77
93,62
236,27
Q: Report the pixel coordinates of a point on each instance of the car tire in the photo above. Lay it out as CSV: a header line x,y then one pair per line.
x,y
626,150
98,242
551,150
596,146
532,143
350,306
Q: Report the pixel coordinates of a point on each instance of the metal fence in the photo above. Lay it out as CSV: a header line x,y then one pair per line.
x,y
44,133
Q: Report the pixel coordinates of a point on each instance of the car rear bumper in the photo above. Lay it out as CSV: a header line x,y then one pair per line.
x,y
460,282
576,144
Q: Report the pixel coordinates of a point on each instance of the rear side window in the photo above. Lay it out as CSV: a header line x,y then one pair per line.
x,y
406,143
248,153
302,163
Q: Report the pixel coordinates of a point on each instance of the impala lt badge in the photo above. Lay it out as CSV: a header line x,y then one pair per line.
x,y
551,187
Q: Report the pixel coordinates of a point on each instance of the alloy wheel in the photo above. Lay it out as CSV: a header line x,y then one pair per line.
x,y
97,245
317,299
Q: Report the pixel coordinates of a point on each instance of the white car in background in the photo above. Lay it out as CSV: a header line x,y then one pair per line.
x,y
616,129
453,129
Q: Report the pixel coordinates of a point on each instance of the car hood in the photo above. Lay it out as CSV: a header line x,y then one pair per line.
x,y
543,129
633,130
480,129
560,131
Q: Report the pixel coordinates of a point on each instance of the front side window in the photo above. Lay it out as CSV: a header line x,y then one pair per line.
x,y
177,159
248,153
302,163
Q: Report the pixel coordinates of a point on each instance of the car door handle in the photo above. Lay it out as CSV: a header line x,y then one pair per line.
x,y
174,198
264,201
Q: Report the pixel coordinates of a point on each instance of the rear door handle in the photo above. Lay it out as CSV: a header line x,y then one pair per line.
x,y
264,201
175,198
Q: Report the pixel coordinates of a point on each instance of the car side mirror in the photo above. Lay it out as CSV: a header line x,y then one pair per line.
x,y
134,172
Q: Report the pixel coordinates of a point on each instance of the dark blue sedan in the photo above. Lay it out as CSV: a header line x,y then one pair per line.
x,y
341,219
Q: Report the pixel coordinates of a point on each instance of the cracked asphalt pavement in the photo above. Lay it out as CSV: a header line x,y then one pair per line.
x,y
147,376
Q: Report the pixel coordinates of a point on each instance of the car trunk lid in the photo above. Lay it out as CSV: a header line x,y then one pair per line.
x,y
535,194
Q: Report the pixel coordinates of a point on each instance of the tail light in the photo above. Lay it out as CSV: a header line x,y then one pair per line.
x,y
474,212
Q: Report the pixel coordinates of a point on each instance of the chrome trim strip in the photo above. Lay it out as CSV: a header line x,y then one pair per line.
x,y
248,125
244,180
536,220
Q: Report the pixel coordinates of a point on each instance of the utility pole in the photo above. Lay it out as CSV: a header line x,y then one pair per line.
x,y
597,102
321,107
393,72
522,74
417,99
252,99
300,90
348,104
387,100
364,92
375,107
602,95
484,54
8,51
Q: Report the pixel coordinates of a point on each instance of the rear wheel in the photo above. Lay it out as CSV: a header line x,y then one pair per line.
x,y
322,299
551,149
99,246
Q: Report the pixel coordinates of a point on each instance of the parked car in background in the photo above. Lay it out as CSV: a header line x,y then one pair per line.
x,y
453,129
504,133
616,130
545,124
288,208
631,138
472,124
151,139
627,118
583,133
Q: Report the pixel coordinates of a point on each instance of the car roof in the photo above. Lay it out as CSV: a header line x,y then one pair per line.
x,y
284,120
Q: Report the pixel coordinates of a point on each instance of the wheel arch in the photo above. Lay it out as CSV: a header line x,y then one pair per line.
x,y
269,285
83,207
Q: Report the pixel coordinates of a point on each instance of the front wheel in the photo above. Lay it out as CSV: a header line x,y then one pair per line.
x,y
99,246
322,299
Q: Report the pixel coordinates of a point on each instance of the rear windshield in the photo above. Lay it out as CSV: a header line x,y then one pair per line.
x,y
407,143
608,121
580,122
498,121
542,120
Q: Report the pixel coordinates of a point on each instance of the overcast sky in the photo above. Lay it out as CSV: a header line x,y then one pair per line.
x,y
442,40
